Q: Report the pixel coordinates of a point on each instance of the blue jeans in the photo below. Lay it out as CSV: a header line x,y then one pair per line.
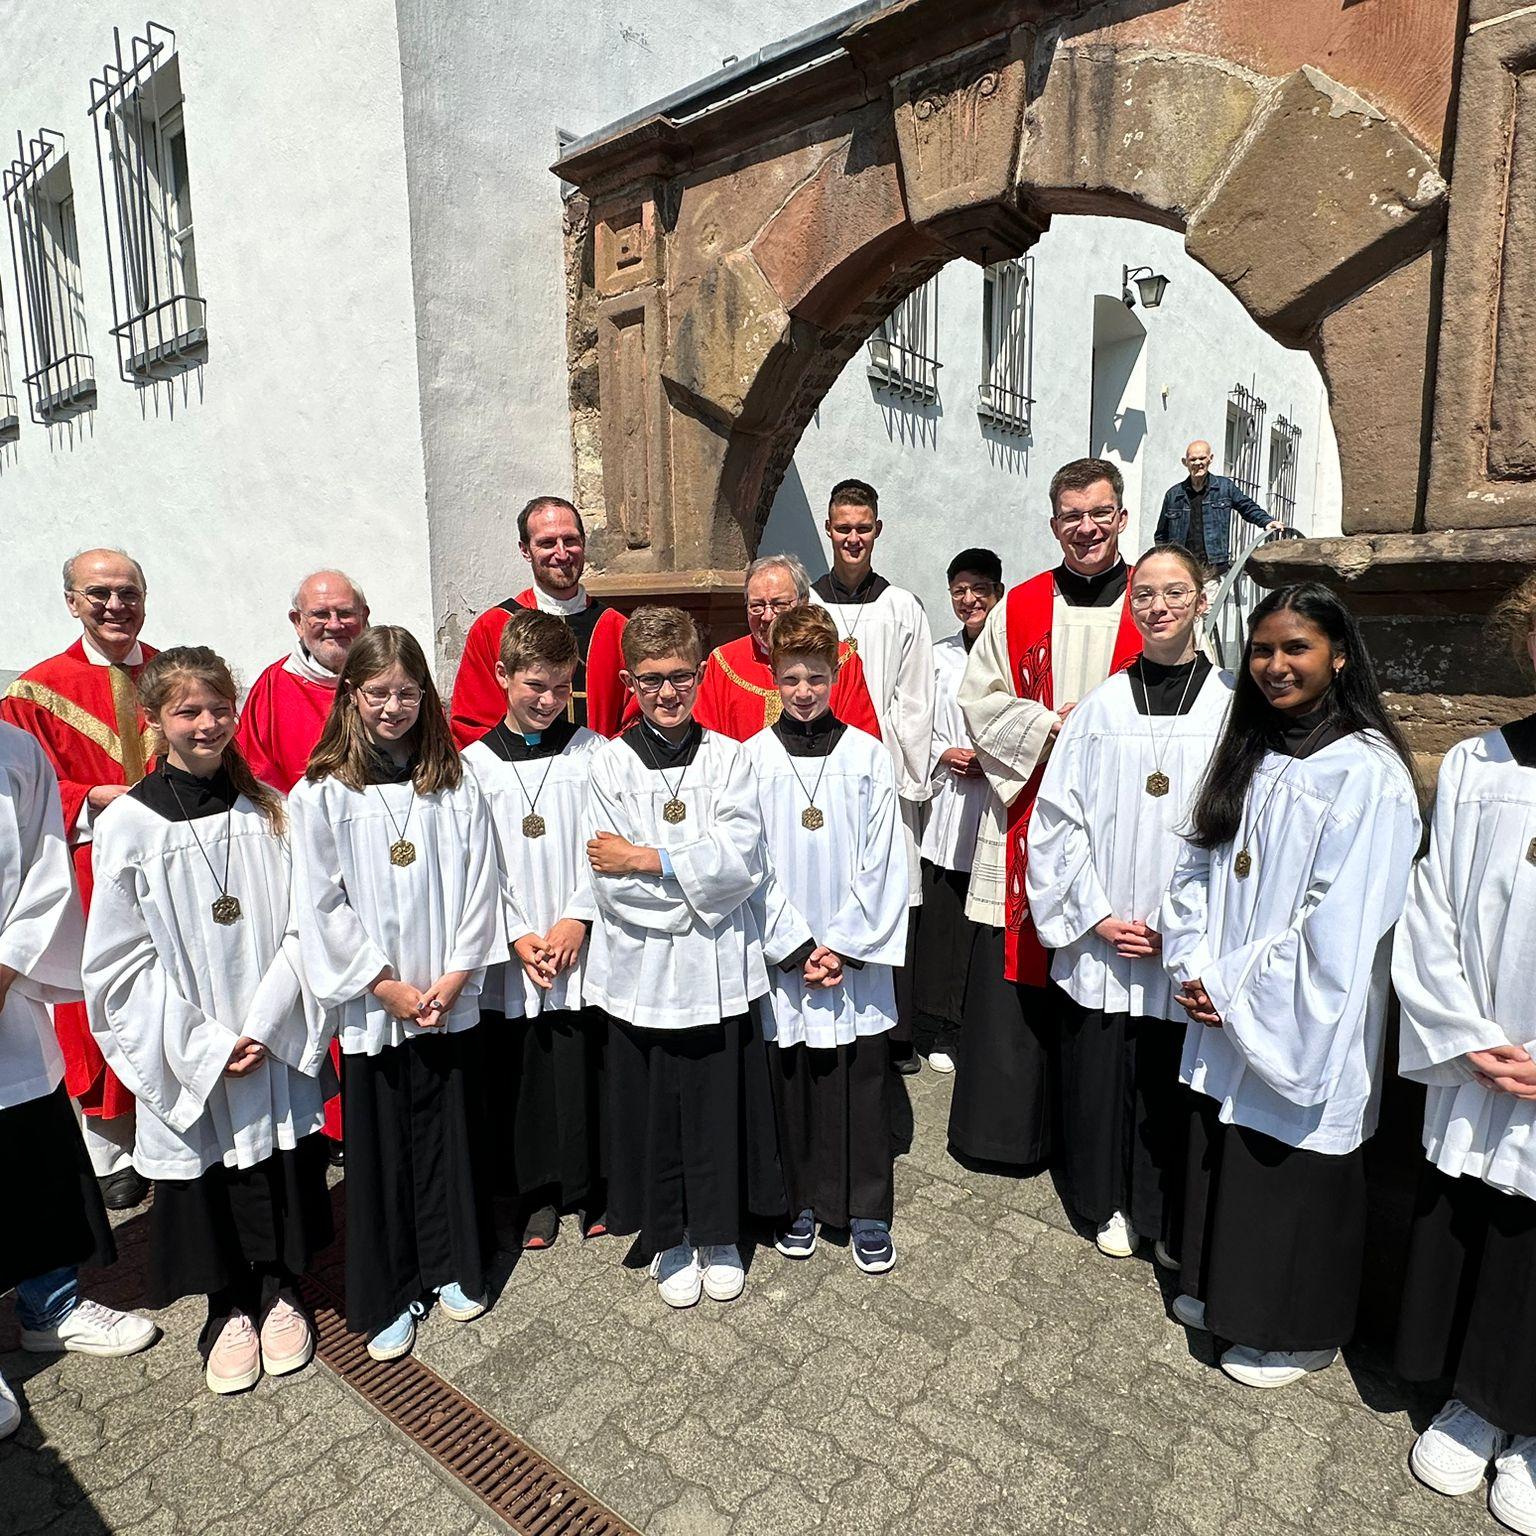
x,y
47,1300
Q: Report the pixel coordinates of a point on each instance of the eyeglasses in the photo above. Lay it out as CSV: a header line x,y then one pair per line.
x,y
99,597
408,698
323,615
650,683
1175,597
1103,516
774,605
981,589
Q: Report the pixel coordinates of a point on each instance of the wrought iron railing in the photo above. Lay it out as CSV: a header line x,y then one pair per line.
x,y
903,352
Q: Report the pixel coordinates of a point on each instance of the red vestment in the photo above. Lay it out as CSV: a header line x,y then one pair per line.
x,y
1030,617
599,699
80,712
738,699
280,724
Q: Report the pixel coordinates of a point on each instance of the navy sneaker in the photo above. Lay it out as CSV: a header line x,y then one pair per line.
x,y
873,1250
798,1239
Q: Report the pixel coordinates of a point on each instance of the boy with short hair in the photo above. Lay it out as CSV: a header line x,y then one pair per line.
x,y
833,825
678,956
545,1045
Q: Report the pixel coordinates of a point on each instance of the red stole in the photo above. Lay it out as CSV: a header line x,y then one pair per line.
x,y
1031,615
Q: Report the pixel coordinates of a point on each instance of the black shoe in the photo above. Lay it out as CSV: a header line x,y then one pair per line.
x,y
123,1190
908,1066
541,1229
337,1155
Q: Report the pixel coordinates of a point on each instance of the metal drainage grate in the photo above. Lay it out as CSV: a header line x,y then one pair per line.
x,y
530,1493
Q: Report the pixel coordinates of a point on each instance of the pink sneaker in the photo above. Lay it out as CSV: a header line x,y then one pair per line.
x,y
287,1340
234,1362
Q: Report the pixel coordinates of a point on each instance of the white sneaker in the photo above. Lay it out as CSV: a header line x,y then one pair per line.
x,y
677,1276
941,1061
1274,1367
10,1410
1162,1257
92,1329
1512,1499
723,1276
1117,1237
1190,1311
1452,1455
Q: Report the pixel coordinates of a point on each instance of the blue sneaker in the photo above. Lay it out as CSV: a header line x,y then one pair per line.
x,y
396,1338
798,1239
459,1306
873,1250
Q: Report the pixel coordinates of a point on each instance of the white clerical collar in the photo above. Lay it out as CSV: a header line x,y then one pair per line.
x,y
134,658
547,602
301,663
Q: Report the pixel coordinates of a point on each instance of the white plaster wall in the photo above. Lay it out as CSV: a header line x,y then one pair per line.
x,y
297,445
947,482
486,87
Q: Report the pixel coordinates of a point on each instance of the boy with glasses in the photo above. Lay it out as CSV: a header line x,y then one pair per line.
x,y
83,708
679,952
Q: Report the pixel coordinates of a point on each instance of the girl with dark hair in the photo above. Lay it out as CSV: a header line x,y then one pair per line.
x,y
1102,843
194,999
395,877
1466,957
1276,928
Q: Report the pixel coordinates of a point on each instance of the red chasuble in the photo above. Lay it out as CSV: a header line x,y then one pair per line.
x,y
738,699
88,720
599,699
1031,614
282,720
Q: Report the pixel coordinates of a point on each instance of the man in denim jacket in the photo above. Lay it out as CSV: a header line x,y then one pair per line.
x,y
1195,511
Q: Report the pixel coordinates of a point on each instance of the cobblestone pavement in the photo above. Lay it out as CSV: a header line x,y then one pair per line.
x,y
1003,1378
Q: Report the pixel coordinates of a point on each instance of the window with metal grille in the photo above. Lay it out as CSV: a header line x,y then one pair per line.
x,y
1284,451
10,421
1006,360
57,369
159,314
1244,454
903,352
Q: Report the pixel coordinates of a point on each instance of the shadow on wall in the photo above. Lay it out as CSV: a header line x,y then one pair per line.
x,y
912,423
796,525
1006,450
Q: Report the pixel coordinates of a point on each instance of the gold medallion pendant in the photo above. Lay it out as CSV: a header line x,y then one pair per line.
x,y
533,825
674,811
402,852
226,910
1243,864
1157,785
1530,852
812,819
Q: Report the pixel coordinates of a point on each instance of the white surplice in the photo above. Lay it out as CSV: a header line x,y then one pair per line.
x,y
1101,846
680,951
1012,736
955,805
844,880
1465,964
357,913
170,991
41,924
1295,956
543,879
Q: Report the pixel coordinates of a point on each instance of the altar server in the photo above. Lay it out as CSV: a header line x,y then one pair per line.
x,y
1465,967
677,958
194,999
946,938
1277,929
52,1208
543,1044
833,825
1102,845
398,910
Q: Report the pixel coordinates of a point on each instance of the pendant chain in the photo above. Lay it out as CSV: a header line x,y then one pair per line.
x,y
1157,780
811,818
1243,864
533,824
675,810
401,852
226,909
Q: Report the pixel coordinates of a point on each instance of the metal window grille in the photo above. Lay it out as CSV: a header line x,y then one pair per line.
x,y
58,371
1284,453
10,421
159,316
1243,460
1006,357
903,352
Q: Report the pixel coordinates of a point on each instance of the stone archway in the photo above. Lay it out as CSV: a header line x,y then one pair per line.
x,y
741,244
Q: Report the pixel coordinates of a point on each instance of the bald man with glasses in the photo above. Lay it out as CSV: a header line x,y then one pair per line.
x,y
82,706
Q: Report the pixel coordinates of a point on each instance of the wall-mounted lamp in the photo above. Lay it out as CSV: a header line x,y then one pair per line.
x,y
1150,286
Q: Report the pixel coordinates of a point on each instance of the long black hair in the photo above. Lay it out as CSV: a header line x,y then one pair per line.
x,y
1353,702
